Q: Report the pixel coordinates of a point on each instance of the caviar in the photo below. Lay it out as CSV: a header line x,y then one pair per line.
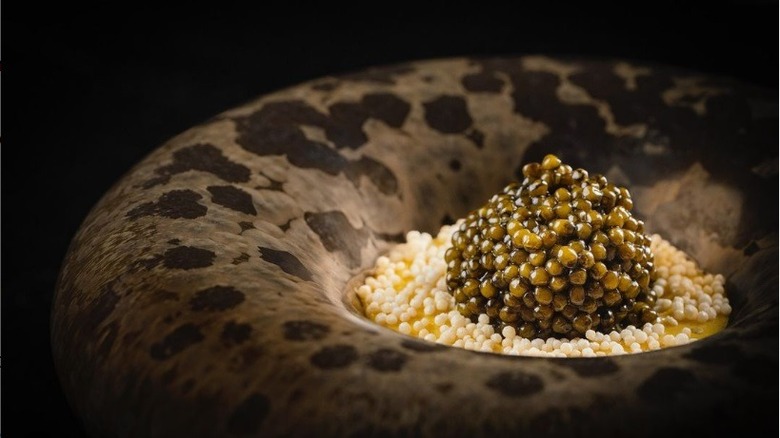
x,y
554,256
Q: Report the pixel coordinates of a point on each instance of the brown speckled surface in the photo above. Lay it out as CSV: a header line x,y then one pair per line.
x,y
204,293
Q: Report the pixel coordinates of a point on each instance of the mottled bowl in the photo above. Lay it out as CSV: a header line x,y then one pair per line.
x,y
206,293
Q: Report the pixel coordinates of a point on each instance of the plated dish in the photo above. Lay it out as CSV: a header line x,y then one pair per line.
x,y
553,266
211,291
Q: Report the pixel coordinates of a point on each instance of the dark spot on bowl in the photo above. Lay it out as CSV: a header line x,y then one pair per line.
x,y
286,226
235,332
245,225
217,298
242,258
515,384
387,360
275,129
386,107
176,204
202,157
302,330
751,249
232,198
485,82
286,261
188,257
476,136
444,388
97,312
332,357
176,341
448,114
382,177
591,367
337,234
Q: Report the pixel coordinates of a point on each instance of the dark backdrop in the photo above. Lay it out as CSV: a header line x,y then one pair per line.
x,y
89,92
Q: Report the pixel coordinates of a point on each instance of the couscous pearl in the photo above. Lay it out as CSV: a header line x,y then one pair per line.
x,y
409,293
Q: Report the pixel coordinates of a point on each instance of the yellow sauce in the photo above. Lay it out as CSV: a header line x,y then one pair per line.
x,y
700,329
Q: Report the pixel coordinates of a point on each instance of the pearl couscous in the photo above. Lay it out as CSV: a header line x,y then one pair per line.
x,y
407,292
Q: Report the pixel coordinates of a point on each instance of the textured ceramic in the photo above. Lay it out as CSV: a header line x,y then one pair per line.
x,y
206,293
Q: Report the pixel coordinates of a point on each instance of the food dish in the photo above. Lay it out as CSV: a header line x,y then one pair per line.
x,y
204,294
406,291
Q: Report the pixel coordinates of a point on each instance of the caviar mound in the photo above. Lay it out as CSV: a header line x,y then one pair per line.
x,y
557,254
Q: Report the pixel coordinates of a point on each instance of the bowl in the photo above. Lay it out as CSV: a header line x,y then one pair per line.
x,y
207,293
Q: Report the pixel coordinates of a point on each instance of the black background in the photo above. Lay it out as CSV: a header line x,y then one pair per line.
x,y
88,92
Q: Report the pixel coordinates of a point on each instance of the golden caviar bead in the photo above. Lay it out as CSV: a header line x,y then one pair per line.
x,y
567,256
496,232
517,287
510,272
586,259
582,323
543,312
611,297
470,287
553,267
513,226
598,270
532,242
595,291
577,295
626,251
599,251
550,162
616,235
543,295
518,256
487,289
549,238
584,230
537,258
610,280
539,277
558,284
562,195
578,276
563,227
